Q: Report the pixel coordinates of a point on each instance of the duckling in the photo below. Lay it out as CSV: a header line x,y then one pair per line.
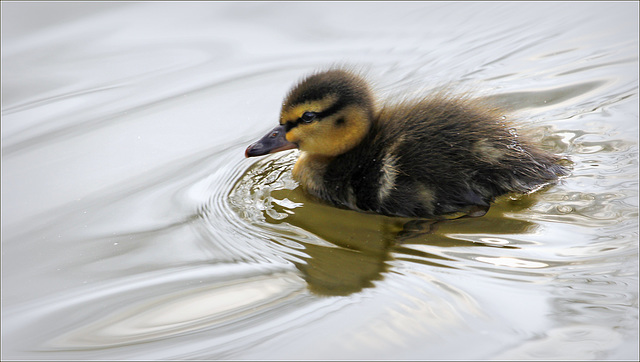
x,y
417,158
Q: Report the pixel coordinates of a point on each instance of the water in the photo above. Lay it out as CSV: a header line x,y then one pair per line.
x,y
133,228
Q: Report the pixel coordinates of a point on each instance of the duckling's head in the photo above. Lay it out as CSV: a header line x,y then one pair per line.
x,y
326,114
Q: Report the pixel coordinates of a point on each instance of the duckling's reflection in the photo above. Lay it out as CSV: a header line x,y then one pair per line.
x,y
363,244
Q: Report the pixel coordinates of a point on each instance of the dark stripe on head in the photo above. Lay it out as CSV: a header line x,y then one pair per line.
x,y
348,87
334,108
348,90
289,125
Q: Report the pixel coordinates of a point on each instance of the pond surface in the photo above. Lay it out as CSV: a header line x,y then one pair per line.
x,y
134,228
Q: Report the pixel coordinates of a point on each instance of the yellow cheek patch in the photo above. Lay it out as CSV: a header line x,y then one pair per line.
x,y
328,138
293,135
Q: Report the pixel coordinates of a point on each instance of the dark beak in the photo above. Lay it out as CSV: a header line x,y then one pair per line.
x,y
274,141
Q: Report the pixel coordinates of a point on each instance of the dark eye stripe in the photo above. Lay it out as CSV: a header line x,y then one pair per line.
x,y
290,125
334,108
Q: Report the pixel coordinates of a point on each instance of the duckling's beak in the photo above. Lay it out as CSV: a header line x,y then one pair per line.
x,y
274,141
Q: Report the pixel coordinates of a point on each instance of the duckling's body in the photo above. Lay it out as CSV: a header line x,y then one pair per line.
x,y
417,158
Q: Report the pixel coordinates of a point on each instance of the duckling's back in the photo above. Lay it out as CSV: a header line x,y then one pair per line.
x,y
437,156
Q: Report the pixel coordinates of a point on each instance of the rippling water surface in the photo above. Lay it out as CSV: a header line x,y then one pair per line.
x,y
134,228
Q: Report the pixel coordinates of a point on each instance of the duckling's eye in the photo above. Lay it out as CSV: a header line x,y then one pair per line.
x,y
308,117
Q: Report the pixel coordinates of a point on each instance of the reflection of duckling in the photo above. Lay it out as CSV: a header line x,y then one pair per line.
x,y
416,158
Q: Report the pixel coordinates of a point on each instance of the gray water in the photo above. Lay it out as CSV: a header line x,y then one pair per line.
x,y
134,228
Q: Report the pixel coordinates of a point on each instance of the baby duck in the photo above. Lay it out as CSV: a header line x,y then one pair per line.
x,y
413,158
